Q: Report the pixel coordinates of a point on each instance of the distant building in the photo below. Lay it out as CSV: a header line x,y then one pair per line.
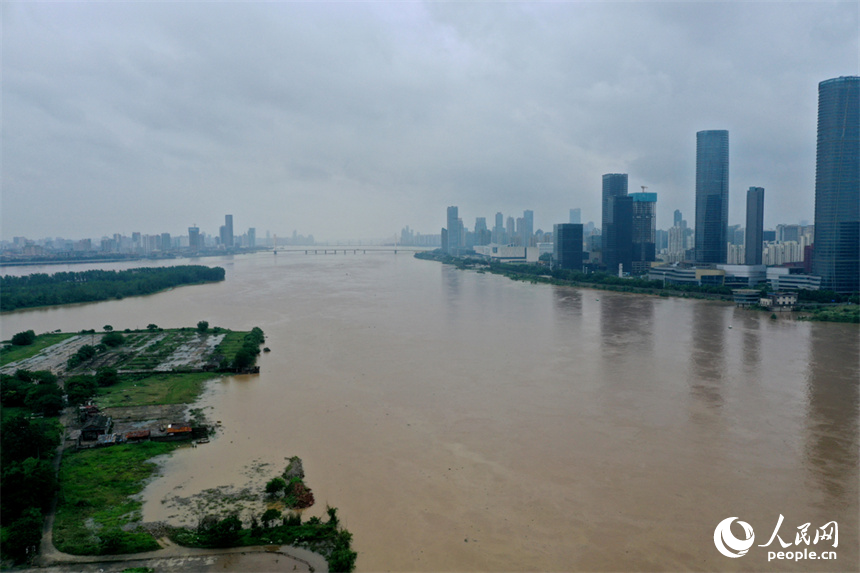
x,y
227,240
575,216
510,229
673,274
836,258
482,234
567,246
499,230
194,239
779,301
455,232
712,195
742,276
754,239
528,228
788,279
746,296
506,253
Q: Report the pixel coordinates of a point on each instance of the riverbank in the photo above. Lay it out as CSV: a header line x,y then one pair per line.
x,y
536,273
97,510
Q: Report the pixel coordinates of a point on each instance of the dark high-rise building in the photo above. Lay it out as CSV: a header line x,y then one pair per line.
x,y
678,218
754,237
567,246
644,232
617,226
712,195
836,256
620,235
614,184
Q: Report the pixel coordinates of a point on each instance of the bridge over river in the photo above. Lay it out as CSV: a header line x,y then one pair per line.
x,y
347,250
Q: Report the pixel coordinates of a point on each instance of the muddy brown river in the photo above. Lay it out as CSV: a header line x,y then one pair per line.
x,y
466,422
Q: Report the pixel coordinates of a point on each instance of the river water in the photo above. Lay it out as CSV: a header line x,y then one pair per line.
x,y
462,421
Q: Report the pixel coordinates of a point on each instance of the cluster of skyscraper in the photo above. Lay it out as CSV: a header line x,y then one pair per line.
x,y
629,236
836,250
519,232
629,226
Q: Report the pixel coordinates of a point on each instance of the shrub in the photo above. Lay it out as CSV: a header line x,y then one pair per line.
x,y
106,376
275,485
24,338
113,339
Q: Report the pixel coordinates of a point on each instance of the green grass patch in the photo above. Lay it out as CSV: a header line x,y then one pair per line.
x,y
838,313
12,411
15,353
155,389
95,500
231,343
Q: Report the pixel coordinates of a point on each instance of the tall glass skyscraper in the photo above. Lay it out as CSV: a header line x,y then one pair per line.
x,y
644,231
614,186
712,195
836,254
754,234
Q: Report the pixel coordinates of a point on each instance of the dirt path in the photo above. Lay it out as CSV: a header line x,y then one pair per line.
x,y
174,558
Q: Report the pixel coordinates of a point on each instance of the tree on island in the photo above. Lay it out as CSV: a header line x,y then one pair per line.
x,y
202,326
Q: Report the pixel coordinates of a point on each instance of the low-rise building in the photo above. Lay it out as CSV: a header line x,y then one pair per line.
x,y
785,278
746,296
779,301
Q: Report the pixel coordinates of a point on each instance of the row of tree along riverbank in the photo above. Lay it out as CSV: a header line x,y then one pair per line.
x,y
41,289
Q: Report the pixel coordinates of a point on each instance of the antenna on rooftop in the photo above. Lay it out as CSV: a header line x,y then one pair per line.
x,y
643,188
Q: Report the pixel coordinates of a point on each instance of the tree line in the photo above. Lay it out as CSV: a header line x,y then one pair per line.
x,y
27,445
42,289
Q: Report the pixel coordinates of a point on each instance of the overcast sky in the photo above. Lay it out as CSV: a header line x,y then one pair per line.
x,y
352,119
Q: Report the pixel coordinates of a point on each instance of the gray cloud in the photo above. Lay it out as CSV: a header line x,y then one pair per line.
x,y
354,119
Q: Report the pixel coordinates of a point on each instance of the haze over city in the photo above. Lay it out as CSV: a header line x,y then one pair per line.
x,y
351,120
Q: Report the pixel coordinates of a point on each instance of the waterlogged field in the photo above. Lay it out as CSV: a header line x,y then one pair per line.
x,y
98,512
10,353
155,389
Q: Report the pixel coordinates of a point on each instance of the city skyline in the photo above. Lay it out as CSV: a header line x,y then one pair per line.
x,y
350,120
